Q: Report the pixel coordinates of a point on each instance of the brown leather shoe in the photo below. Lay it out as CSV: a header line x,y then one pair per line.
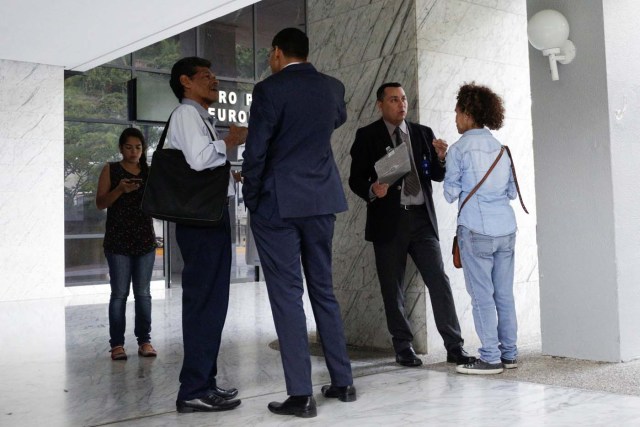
x,y
147,350
118,353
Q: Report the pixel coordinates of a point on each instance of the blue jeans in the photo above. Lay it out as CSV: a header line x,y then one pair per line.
x,y
123,270
488,264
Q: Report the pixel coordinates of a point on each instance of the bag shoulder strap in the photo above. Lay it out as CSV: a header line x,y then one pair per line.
x,y
472,192
213,138
166,128
513,170
164,134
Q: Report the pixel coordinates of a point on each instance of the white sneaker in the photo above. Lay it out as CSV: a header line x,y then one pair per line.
x,y
509,363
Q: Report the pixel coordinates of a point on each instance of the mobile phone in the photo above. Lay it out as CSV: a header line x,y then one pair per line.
x,y
135,180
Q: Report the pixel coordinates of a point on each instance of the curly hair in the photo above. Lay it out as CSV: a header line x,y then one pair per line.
x,y
481,103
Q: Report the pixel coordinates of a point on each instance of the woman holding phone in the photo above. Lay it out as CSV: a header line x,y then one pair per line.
x,y
129,242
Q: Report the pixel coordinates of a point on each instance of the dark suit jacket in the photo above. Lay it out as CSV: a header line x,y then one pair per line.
x,y
288,162
370,145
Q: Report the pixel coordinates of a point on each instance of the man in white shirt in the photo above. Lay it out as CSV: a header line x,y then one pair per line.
x,y
206,251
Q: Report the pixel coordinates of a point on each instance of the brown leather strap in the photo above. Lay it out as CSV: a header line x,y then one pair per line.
x,y
471,193
513,170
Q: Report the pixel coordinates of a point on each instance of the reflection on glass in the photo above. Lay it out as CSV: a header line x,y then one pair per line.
x,y
233,104
152,136
123,61
88,147
162,55
228,43
100,93
154,98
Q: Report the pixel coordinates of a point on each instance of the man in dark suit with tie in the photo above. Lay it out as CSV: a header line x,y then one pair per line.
x,y
401,220
293,190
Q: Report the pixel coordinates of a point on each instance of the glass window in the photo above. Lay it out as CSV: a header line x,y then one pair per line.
x,y
97,107
88,147
100,93
228,43
152,135
123,61
154,99
233,104
271,17
162,55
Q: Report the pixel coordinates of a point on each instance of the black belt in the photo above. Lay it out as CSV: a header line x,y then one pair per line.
x,y
411,207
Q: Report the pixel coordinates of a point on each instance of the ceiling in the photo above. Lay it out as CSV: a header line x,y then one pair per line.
x,y
82,34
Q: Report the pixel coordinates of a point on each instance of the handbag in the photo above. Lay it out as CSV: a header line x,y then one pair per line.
x,y
175,192
455,250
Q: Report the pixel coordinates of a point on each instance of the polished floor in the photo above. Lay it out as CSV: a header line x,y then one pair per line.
x,y
55,371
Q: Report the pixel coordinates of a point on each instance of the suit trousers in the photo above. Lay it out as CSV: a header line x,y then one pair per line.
x,y
282,245
416,238
205,299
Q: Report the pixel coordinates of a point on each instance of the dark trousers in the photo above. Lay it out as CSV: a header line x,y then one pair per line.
x,y
205,299
282,245
415,237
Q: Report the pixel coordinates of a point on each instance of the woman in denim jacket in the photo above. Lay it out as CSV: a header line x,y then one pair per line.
x,y
486,226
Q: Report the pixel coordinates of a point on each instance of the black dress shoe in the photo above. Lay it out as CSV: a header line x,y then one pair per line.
x,y
407,357
225,394
210,403
344,394
300,406
459,356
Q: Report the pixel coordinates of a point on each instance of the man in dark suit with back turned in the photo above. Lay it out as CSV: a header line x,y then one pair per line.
x,y
401,220
293,190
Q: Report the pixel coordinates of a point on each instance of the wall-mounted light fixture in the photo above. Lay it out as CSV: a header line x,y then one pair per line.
x,y
548,31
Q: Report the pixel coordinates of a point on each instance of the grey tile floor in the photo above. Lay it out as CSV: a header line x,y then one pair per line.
x,y
55,371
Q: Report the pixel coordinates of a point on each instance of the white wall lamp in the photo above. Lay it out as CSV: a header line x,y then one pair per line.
x,y
548,31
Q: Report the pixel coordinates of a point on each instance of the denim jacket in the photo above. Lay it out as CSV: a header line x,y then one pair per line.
x,y
488,211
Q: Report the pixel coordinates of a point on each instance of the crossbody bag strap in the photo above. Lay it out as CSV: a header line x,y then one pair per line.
x,y
472,192
513,170
166,128
164,134
213,138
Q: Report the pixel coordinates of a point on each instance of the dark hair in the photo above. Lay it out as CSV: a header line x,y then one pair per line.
x,y
380,91
185,66
293,42
481,103
135,133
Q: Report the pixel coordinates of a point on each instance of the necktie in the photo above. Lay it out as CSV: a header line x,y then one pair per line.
x,y
398,137
411,181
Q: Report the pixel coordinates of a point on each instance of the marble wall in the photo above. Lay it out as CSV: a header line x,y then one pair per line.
x,y
364,44
431,47
31,181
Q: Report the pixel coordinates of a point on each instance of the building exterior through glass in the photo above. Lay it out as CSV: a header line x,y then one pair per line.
x,y
134,91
